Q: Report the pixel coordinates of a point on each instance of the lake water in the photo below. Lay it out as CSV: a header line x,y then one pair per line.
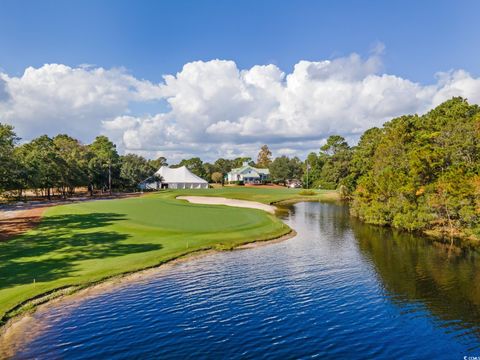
x,y
340,289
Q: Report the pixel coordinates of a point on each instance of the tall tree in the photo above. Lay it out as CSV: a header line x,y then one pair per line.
x,y
208,170
312,169
104,162
239,161
41,158
284,168
223,166
335,156
334,145
134,169
74,163
158,162
8,139
264,158
195,165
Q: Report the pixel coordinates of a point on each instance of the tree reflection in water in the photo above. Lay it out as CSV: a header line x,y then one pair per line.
x,y
445,279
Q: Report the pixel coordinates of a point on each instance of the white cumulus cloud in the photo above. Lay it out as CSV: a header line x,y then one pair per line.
x,y
216,109
57,98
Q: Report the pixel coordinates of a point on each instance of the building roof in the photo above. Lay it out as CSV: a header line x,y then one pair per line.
x,y
179,175
248,167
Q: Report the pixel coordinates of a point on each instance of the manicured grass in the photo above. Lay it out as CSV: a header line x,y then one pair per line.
x,y
86,242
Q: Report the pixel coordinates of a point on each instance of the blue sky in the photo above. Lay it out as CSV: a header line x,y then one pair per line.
x,y
238,73
151,38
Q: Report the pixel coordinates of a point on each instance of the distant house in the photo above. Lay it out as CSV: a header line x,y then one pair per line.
x,y
293,183
176,178
248,174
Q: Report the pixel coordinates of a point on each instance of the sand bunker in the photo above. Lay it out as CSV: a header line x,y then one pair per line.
x,y
210,200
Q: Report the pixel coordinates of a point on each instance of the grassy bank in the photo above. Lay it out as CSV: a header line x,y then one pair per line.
x,y
83,243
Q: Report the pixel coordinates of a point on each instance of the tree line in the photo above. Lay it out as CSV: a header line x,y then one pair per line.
x,y
281,168
413,173
61,164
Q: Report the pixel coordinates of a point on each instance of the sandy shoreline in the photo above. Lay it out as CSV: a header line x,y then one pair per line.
x,y
213,200
25,326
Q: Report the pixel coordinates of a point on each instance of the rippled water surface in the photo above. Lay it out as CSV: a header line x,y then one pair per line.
x,y
340,289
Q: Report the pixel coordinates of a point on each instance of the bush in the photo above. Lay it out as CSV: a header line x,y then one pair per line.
x,y
307,192
240,182
343,192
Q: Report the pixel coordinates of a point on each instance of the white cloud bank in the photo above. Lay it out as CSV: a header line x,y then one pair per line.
x,y
215,109
57,98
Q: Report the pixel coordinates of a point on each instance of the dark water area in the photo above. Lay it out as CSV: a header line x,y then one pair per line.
x,y
339,289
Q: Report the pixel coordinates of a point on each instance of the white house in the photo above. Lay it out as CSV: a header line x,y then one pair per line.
x,y
248,174
176,178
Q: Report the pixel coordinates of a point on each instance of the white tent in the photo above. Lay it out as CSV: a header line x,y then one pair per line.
x,y
178,178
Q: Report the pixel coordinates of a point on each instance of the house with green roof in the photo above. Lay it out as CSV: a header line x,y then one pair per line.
x,y
249,175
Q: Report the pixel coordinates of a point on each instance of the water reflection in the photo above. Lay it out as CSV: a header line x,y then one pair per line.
x,y
413,269
330,220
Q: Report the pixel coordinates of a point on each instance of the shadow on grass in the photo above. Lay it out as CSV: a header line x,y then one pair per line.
x,y
52,250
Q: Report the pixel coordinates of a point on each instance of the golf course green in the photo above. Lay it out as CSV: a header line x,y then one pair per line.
x,y
79,244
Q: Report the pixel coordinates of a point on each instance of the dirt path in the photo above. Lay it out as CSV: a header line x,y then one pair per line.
x,y
15,222
211,200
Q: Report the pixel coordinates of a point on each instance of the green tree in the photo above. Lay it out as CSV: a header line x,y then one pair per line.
x,y
223,166
280,169
335,156
195,165
334,145
134,169
103,163
73,166
208,170
158,162
284,168
239,161
296,168
362,158
312,169
420,172
44,165
8,166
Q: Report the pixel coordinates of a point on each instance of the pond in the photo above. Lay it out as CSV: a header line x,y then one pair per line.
x,y
339,289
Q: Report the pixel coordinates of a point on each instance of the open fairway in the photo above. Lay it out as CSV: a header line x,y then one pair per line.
x,y
82,243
